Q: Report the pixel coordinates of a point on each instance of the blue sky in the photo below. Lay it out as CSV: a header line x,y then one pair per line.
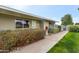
x,y
54,12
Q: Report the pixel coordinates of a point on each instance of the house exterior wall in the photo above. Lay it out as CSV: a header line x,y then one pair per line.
x,y
35,24
7,22
46,24
9,15
38,24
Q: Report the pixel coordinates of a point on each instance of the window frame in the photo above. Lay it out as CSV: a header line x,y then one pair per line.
x,y
23,25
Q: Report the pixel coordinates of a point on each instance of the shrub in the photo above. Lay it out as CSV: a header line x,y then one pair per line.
x,y
59,27
50,30
17,38
54,30
74,28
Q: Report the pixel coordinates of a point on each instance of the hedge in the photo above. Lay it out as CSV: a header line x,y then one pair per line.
x,y
17,38
54,30
74,28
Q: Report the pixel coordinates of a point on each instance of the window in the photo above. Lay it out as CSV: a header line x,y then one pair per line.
x,y
18,25
22,23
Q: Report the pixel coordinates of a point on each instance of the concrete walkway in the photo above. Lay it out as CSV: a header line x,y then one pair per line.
x,y
41,46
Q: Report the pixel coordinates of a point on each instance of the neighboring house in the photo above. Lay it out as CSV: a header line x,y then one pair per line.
x,y
10,19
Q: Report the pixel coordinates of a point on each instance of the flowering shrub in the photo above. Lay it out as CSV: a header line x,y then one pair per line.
x,y
16,38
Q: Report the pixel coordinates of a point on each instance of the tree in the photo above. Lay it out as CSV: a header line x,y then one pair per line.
x,y
67,20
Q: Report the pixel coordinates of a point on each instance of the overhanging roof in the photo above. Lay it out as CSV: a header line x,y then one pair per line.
x,y
18,13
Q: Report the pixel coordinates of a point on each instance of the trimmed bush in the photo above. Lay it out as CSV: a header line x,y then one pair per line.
x,y
54,30
74,28
50,30
16,38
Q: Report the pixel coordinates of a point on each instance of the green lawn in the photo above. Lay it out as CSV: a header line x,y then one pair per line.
x,y
69,44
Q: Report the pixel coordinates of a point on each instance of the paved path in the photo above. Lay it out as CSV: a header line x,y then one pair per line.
x,y
42,46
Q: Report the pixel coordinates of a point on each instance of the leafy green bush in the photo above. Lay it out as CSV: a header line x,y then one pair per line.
x,y
50,30
59,27
17,38
54,30
74,28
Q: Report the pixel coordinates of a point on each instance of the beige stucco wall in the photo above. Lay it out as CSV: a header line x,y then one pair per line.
x,y
46,23
38,24
35,24
7,22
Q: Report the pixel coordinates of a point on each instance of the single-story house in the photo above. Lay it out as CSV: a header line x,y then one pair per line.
x,y
11,19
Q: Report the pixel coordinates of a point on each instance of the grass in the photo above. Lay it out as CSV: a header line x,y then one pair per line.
x,y
68,44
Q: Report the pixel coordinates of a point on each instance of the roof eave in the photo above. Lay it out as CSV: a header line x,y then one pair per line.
x,y
14,12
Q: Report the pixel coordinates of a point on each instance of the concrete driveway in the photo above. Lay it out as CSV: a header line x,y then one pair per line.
x,y
43,45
